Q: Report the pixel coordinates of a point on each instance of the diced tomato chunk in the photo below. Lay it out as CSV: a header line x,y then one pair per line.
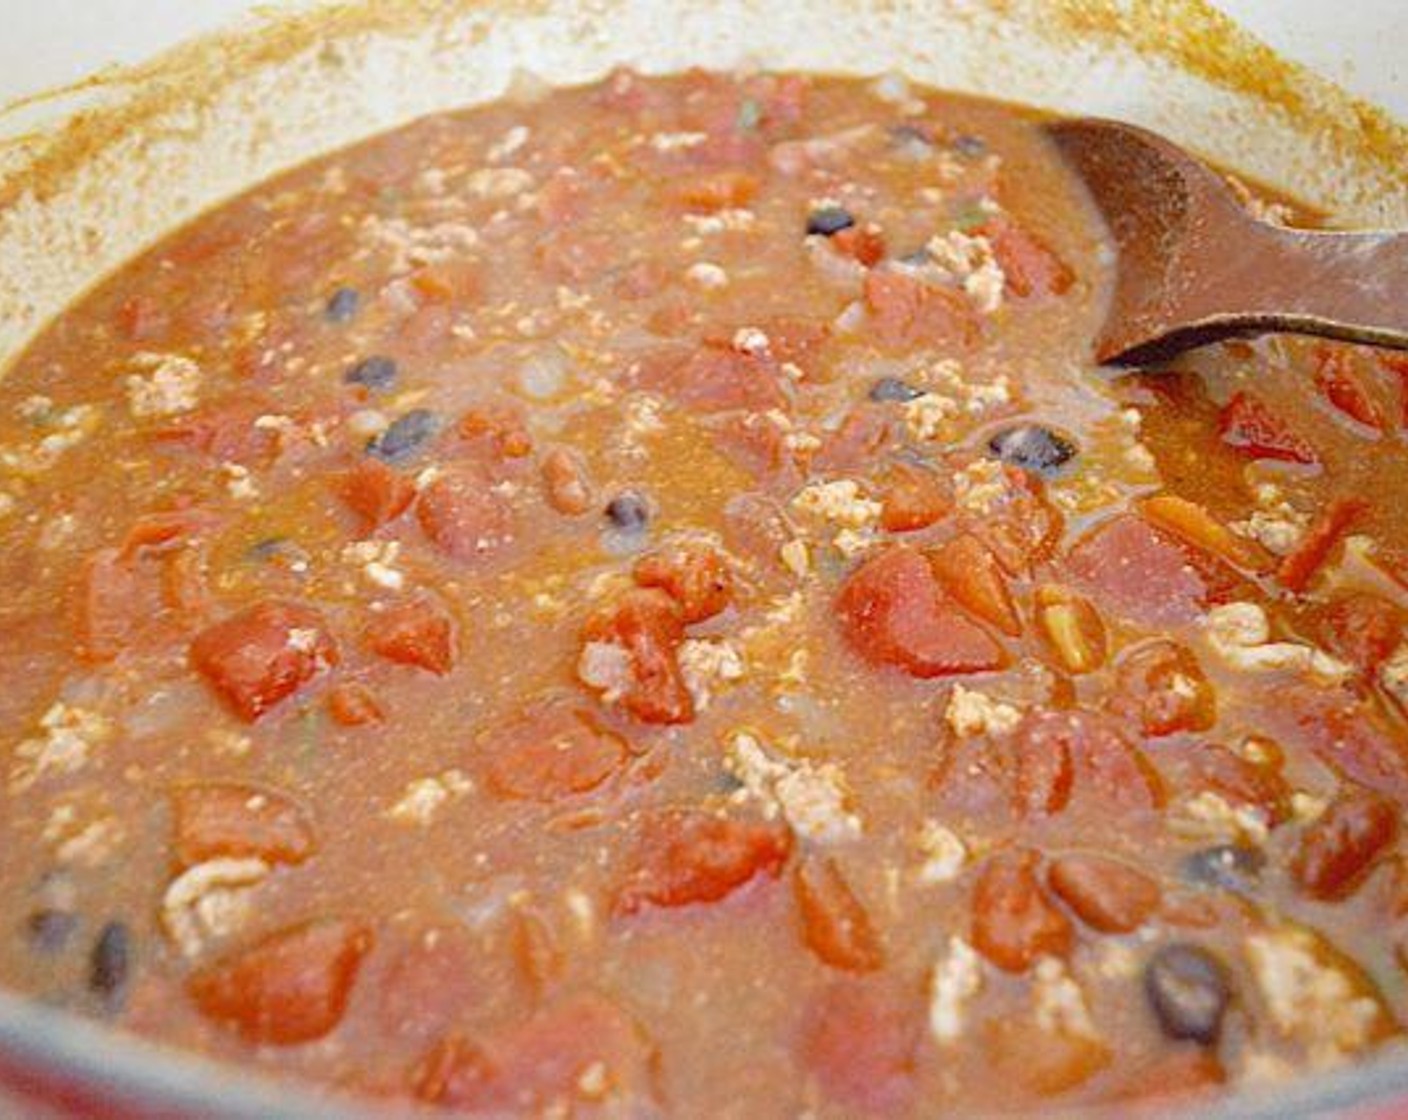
x,y
913,499
723,190
893,612
687,856
1337,378
165,530
1364,629
1161,685
540,1067
1237,781
1060,755
225,819
1248,424
225,432
863,244
1299,568
1014,923
630,654
1105,894
376,493
502,428
464,517
353,705
433,973
1136,571
1344,733
419,633
549,752
1031,266
263,654
714,378
906,312
693,574
835,925
863,435
1339,847
291,987
968,571
860,1041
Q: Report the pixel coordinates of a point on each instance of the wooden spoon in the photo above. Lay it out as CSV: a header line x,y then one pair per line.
x,y
1195,267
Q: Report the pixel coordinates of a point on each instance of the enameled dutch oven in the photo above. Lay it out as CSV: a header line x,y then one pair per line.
x,y
92,173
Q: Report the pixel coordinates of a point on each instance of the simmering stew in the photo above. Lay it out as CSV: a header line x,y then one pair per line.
x,y
635,600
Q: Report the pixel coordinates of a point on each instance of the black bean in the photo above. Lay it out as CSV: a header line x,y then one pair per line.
x,y
1230,867
343,305
1189,990
110,965
375,373
893,389
50,929
916,258
970,146
829,220
282,553
1033,447
629,510
404,436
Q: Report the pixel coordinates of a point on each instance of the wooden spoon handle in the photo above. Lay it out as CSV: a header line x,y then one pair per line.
x,y
1350,286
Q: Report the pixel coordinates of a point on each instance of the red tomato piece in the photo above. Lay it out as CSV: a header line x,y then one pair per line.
x,y
433,974
685,856
1339,847
419,633
1340,383
538,1067
1299,568
913,498
1031,266
551,751
714,378
723,190
501,428
893,613
835,924
224,432
565,479
693,574
860,1041
375,493
263,654
1160,685
630,653
352,705
464,517
863,244
1239,782
1364,630
864,434
291,987
906,312
968,571
1104,893
165,530
225,819
1014,923
1063,754
1248,424
1344,733
1134,570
